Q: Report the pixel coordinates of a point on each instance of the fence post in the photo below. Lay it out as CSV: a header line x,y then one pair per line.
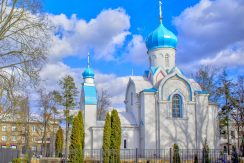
x,y
136,156
170,155
101,153
203,155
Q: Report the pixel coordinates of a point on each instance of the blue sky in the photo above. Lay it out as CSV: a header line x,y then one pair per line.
x,y
210,32
144,18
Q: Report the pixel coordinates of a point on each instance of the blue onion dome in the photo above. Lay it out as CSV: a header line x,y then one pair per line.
x,y
161,38
88,73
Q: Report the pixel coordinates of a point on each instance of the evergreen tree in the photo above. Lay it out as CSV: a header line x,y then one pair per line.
x,y
115,137
81,125
76,153
59,142
176,154
69,93
106,138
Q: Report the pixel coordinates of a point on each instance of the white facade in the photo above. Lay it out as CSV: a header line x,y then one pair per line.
x,y
163,107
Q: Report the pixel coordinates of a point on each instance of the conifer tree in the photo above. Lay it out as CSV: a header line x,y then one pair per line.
x,y
176,154
76,152
106,138
81,128
59,142
115,137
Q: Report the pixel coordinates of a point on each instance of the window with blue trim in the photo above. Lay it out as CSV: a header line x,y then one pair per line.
x,y
177,106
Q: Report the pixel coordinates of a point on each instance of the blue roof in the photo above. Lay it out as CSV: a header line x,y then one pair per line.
x,y
150,90
90,94
161,38
88,73
201,92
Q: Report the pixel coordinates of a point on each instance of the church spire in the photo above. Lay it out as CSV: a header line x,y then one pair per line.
x,y
160,11
88,60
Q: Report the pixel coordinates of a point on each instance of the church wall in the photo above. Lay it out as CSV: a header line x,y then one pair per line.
x,y
90,120
149,120
131,135
207,124
97,138
132,102
176,130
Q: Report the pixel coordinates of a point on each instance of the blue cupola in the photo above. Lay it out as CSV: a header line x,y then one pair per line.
x,y
88,73
161,38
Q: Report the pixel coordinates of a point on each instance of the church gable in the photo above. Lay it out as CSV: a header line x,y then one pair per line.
x,y
175,82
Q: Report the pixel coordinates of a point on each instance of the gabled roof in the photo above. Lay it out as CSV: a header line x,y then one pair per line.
x,y
127,119
141,83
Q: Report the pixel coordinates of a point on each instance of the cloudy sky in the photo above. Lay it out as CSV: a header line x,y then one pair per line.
x,y
114,31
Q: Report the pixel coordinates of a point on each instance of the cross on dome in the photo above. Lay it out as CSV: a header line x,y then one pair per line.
x,y
160,11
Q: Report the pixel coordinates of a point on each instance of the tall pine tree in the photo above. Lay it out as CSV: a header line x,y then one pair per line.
x,y
69,93
106,138
115,137
76,140
59,142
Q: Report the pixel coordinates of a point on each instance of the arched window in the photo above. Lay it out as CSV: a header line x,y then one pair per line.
x,y
177,106
131,98
167,60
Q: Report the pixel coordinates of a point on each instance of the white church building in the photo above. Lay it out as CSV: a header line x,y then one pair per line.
x,y
162,107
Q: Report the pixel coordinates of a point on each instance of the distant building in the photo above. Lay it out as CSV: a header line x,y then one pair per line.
x,y
162,107
233,136
15,132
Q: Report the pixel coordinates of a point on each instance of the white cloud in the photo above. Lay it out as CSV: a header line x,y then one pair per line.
x,y
104,34
52,73
136,51
227,57
209,30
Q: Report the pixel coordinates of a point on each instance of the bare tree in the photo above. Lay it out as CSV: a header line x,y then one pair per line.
x,y
24,35
207,77
49,102
104,102
237,104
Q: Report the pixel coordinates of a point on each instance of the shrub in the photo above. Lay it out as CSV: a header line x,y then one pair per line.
x,y
115,137
76,142
176,154
59,142
106,138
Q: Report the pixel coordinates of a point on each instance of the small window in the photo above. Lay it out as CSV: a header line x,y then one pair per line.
x,y
131,99
125,145
4,128
176,106
232,134
14,128
23,139
14,138
167,60
33,128
4,138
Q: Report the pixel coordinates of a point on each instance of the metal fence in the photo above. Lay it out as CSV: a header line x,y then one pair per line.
x,y
8,154
159,156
